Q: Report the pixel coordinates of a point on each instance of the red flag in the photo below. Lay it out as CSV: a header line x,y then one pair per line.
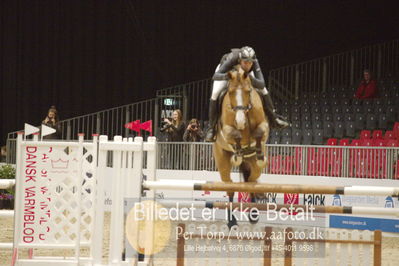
x,y
147,126
135,126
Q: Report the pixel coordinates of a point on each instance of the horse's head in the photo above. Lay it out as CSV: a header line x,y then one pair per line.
x,y
239,93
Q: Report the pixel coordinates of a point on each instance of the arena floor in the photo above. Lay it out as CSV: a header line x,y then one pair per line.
x,y
390,250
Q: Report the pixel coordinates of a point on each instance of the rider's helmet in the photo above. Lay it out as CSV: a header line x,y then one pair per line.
x,y
247,53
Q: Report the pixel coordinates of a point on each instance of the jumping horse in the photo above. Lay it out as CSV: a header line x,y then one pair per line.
x,y
243,130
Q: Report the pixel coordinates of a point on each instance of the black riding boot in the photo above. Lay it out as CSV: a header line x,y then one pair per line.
x,y
213,117
276,121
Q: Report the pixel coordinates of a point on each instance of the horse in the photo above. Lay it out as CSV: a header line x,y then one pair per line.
x,y
242,131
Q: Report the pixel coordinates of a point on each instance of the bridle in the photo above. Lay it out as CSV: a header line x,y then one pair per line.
x,y
244,108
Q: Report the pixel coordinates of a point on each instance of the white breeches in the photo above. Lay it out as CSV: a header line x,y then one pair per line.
x,y
219,85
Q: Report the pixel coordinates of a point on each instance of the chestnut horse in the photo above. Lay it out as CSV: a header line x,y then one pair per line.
x,y
243,130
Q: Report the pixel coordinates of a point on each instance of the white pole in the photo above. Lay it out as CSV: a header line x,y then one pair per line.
x,y
117,203
151,147
154,185
7,213
375,211
369,190
93,211
19,197
98,233
7,183
134,180
79,185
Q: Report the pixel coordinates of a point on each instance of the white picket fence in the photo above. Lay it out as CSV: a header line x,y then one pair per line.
x,y
60,200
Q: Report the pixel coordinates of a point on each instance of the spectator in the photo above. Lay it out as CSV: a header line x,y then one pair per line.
x,y
174,127
367,88
52,121
193,132
3,153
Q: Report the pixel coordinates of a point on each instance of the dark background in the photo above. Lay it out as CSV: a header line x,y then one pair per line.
x,y
85,56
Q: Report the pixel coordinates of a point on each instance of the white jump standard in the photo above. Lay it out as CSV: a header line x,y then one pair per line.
x,y
275,188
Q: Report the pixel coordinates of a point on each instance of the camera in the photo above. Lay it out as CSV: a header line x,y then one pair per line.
x,y
165,125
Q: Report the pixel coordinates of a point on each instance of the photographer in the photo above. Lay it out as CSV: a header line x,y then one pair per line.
x,y
193,132
52,121
174,127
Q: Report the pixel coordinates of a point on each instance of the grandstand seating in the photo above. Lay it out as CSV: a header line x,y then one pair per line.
x,y
336,114
337,119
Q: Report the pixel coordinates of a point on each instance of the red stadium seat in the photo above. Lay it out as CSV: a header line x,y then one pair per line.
x,y
366,158
298,161
392,143
389,135
365,134
367,142
288,165
312,162
275,164
354,158
336,161
377,134
323,161
344,142
356,142
396,173
378,160
396,130
379,142
332,142
336,158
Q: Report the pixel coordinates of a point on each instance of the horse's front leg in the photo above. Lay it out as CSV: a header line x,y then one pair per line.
x,y
260,136
223,162
237,157
233,137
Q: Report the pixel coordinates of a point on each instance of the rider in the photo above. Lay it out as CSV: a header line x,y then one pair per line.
x,y
247,59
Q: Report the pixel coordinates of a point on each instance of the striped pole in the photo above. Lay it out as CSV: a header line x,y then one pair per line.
x,y
275,188
246,206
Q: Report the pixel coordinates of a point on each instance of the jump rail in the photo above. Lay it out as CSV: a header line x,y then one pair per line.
x,y
276,188
278,207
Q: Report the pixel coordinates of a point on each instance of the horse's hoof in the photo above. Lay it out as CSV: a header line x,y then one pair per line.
x,y
261,163
260,196
236,160
232,224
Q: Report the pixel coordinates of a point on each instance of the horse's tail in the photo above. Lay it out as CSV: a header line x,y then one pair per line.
x,y
245,169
